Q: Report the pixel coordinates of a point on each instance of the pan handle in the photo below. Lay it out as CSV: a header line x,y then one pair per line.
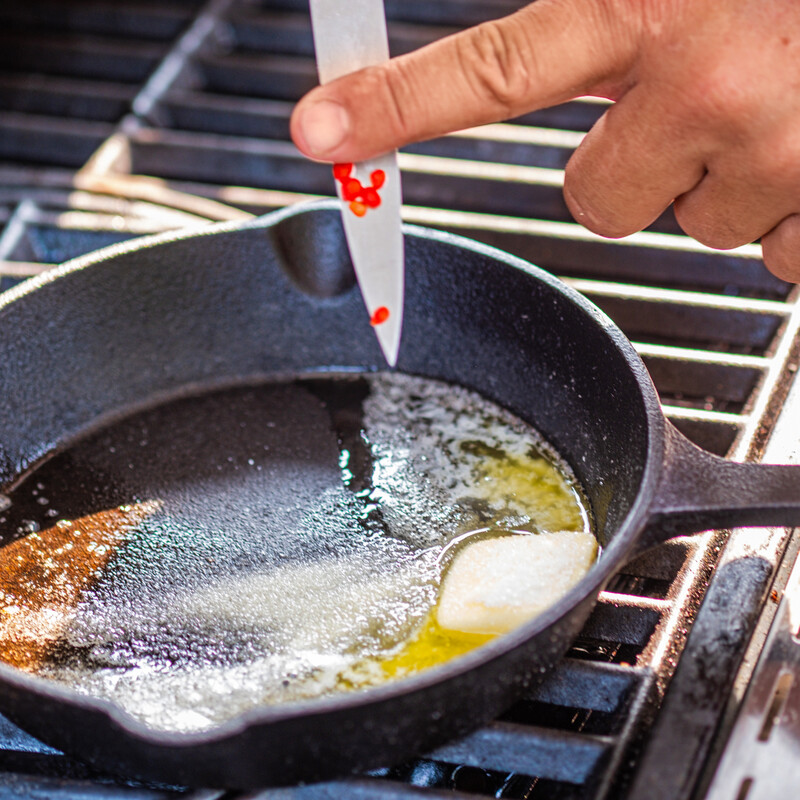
x,y
700,491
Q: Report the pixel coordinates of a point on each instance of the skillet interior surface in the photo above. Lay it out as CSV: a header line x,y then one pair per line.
x,y
130,327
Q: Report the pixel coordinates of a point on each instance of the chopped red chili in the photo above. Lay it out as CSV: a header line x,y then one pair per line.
x,y
342,171
359,197
358,208
380,316
371,197
352,189
377,178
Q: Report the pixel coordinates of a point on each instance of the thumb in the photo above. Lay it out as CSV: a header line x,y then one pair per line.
x,y
544,54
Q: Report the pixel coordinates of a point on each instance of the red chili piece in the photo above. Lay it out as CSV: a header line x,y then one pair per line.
x,y
371,197
352,189
380,316
359,197
358,208
342,171
377,178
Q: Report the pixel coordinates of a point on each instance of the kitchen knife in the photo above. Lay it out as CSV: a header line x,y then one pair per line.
x,y
349,35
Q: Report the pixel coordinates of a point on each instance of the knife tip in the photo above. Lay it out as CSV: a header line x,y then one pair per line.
x,y
389,340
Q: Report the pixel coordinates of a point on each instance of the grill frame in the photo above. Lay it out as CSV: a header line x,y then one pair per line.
x,y
51,210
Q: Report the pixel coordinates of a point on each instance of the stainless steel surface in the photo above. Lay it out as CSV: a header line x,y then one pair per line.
x,y
347,37
761,756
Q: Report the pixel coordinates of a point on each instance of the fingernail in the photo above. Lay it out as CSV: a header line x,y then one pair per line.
x,y
324,126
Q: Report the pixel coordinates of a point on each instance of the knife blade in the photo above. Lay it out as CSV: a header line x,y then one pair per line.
x,y
350,35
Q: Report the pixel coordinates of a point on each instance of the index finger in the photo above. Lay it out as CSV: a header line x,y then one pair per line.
x,y
544,54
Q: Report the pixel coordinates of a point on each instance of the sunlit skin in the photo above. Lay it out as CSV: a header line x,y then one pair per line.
x,y
706,114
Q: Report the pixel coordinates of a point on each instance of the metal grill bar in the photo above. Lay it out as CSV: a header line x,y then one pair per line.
x,y
162,21
647,258
82,57
61,97
547,753
68,143
359,789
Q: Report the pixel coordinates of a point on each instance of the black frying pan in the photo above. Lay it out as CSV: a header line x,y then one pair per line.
x,y
233,305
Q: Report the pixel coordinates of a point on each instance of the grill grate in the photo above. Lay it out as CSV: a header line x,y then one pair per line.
x,y
97,95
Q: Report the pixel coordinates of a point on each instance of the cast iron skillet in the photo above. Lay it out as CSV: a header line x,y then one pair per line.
x,y
234,304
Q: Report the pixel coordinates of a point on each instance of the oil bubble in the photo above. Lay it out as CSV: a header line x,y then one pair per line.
x,y
28,526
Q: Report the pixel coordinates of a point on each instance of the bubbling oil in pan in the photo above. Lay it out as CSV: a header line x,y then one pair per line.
x,y
267,544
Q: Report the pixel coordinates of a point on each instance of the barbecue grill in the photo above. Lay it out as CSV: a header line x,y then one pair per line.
x,y
121,119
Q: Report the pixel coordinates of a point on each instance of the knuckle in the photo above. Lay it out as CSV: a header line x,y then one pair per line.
x,y
386,88
714,230
395,88
776,159
781,249
725,97
386,84
499,62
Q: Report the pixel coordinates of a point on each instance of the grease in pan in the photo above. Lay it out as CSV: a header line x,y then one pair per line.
x,y
291,540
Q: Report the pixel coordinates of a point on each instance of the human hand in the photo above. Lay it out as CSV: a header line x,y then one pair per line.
x,y
707,110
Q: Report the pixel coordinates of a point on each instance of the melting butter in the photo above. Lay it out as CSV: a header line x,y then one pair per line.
x,y
497,584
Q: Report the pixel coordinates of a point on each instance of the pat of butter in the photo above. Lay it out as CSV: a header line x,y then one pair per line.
x,y
494,585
